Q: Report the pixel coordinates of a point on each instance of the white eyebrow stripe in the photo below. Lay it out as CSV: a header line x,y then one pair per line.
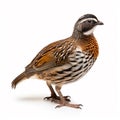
x,y
88,19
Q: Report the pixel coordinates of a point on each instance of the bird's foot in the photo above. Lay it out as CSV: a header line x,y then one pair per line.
x,y
78,106
57,98
60,103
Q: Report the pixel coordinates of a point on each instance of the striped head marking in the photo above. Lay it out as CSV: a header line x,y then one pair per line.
x,y
87,23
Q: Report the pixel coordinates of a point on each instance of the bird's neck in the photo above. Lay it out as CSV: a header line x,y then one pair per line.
x,y
77,34
87,43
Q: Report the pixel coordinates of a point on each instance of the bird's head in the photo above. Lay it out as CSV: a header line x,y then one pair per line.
x,y
86,24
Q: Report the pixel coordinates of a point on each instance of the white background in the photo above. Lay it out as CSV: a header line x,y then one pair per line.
x,y
26,26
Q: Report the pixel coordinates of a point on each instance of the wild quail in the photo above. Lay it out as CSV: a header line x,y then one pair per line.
x,y
66,60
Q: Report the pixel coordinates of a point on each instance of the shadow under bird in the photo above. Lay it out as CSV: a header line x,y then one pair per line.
x,y
65,61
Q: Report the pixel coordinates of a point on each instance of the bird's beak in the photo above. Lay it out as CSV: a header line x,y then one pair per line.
x,y
100,23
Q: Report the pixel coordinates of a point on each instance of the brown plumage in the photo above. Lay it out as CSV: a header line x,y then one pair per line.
x,y
66,60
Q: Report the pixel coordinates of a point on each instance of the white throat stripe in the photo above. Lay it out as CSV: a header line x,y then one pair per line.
x,y
89,31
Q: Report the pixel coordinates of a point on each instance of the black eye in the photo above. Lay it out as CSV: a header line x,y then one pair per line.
x,y
90,21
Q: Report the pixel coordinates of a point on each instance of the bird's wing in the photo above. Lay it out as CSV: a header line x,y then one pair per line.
x,y
55,54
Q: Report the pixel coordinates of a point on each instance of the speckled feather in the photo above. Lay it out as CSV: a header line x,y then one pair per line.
x,y
52,55
69,64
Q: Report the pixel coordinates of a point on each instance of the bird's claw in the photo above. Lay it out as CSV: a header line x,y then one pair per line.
x,y
57,98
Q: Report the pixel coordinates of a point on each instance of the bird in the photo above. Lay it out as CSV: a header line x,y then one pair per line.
x,y
65,61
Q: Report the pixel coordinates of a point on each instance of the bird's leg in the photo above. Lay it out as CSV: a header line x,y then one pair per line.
x,y
53,96
62,102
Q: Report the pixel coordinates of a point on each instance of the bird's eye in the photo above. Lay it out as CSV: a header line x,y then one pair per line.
x,y
89,21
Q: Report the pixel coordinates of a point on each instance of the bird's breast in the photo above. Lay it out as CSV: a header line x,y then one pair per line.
x,y
78,65
81,62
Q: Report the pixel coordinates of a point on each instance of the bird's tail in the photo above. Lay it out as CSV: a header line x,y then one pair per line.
x,y
19,78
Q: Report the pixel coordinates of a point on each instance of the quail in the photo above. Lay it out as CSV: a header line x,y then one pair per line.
x,y
65,61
